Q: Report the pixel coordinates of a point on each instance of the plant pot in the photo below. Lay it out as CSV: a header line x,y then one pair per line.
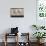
x,y
40,41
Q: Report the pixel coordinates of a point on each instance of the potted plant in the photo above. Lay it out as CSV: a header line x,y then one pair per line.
x,y
39,35
38,27
42,27
35,26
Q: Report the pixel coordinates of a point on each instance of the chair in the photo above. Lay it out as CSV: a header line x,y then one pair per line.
x,y
14,32
25,43
7,34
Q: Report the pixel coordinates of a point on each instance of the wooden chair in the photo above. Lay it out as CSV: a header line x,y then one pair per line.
x,y
27,37
8,34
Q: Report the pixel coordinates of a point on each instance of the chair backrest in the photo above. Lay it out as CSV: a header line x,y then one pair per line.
x,y
14,30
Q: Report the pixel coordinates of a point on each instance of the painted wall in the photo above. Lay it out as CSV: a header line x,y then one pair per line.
x,y
24,24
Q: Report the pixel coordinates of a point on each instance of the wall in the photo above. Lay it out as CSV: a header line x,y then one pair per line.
x,y
24,24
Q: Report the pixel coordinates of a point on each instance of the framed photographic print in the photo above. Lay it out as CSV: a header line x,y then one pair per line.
x,y
17,12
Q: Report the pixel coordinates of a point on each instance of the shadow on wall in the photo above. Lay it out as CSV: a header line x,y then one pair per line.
x,y
7,31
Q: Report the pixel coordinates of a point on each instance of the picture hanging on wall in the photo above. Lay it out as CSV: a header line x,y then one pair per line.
x,y
17,12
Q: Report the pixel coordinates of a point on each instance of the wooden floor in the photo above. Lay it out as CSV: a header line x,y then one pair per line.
x,y
13,44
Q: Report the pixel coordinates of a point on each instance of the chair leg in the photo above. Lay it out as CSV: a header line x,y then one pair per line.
x,y
5,40
5,43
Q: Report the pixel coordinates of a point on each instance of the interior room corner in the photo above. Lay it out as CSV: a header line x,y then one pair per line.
x,y
22,22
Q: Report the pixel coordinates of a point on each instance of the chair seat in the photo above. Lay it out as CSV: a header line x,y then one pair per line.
x,y
9,34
